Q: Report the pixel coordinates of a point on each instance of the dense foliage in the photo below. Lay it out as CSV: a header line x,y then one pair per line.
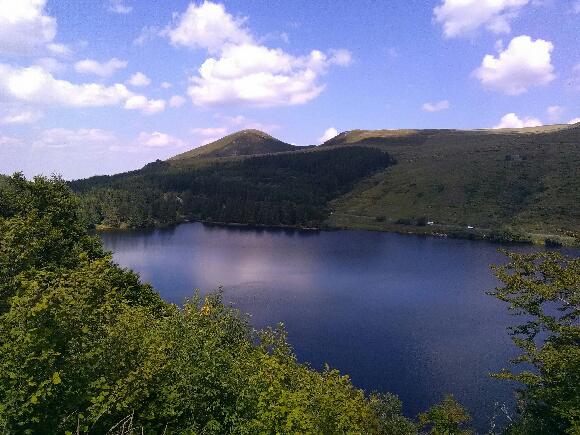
x,y
85,347
288,189
544,288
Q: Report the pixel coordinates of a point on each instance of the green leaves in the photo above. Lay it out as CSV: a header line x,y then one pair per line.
x,y
544,288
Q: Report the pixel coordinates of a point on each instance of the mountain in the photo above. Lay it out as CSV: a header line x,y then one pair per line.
x,y
515,180
508,184
242,143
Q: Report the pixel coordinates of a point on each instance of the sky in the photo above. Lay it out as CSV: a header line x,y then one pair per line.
x,y
93,87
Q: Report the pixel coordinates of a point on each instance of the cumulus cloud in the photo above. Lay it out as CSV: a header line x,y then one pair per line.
x,y
25,26
207,26
555,112
464,17
329,133
101,69
511,120
258,76
166,85
139,80
64,138
523,64
157,139
20,117
176,101
37,86
145,105
119,7
242,71
436,107
574,121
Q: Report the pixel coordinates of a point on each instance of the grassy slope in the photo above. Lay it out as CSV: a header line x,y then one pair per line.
x,y
245,142
460,178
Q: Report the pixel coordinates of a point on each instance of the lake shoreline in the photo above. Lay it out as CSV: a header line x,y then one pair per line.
x,y
487,235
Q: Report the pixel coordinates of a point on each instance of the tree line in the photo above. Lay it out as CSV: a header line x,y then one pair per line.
x,y
287,189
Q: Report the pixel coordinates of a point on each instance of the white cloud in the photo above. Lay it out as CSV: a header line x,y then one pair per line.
x,y
25,26
147,33
158,140
574,121
464,17
511,120
207,26
210,131
555,112
166,85
119,7
329,133
51,64
59,49
176,101
101,69
436,107
243,71
21,117
523,64
340,57
64,138
258,76
37,86
139,80
147,106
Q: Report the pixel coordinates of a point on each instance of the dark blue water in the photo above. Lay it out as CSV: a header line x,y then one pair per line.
x,y
403,314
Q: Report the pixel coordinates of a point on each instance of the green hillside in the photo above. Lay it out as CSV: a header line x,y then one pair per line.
x,y
501,181
242,143
512,184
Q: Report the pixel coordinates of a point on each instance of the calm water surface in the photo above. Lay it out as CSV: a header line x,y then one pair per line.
x,y
403,314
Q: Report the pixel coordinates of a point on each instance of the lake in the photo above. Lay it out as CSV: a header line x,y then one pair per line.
x,y
404,314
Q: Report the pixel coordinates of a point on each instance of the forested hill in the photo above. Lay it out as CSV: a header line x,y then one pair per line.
x,y
512,184
284,189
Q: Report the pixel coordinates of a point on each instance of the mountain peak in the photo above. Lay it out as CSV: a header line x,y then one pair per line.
x,y
241,143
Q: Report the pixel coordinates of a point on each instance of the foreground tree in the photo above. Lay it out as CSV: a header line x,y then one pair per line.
x,y
86,347
544,289
446,418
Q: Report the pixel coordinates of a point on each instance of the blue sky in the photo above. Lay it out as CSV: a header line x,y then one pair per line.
x,y
102,86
